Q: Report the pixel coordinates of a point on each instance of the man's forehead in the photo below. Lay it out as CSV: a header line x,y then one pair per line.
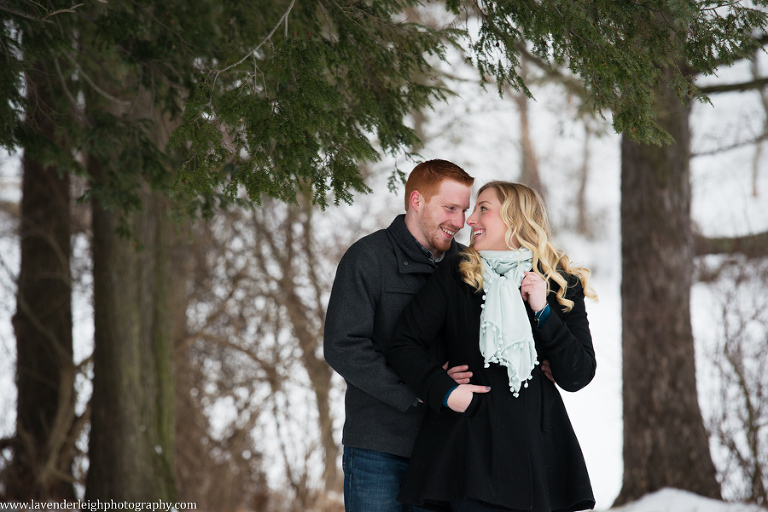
x,y
453,191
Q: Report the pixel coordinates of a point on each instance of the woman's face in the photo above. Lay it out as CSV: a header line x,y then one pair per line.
x,y
488,230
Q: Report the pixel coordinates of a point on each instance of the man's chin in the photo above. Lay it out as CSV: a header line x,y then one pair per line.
x,y
444,245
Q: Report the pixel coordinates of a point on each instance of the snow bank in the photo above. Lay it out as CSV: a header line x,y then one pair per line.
x,y
675,500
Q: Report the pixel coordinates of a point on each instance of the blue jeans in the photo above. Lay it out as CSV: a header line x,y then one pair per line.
x,y
372,481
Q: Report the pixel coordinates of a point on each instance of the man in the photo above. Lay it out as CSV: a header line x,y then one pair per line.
x,y
377,277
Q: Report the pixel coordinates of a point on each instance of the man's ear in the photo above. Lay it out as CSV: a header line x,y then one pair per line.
x,y
416,200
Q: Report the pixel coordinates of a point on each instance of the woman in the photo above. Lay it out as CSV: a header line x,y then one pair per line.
x,y
504,441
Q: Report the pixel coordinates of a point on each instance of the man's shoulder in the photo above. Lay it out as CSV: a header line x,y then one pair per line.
x,y
367,250
371,242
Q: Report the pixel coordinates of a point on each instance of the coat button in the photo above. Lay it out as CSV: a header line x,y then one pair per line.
x,y
405,263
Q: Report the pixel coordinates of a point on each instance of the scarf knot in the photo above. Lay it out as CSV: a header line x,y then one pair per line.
x,y
505,332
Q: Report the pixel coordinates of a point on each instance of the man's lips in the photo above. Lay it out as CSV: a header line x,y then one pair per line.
x,y
449,232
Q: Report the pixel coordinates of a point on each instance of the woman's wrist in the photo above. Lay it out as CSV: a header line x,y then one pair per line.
x,y
540,316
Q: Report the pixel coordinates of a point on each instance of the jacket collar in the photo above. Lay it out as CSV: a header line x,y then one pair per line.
x,y
410,258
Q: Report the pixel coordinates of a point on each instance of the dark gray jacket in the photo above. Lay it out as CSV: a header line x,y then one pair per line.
x,y
376,279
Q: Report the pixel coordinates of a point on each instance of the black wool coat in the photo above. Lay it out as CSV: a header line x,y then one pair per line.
x,y
376,279
519,453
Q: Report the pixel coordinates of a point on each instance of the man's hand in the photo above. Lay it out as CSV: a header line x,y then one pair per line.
x,y
461,397
547,369
459,373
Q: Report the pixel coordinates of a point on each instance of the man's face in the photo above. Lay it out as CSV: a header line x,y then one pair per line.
x,y
440,218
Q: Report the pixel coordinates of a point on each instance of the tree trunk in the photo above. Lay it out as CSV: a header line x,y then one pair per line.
x,y
44,450
529,162
131,446
665,443
582,216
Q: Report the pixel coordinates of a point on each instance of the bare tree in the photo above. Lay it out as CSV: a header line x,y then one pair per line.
x,y
529,161
738,421
45,372
250,374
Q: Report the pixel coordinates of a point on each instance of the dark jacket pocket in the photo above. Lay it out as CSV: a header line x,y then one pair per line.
x,y
474,405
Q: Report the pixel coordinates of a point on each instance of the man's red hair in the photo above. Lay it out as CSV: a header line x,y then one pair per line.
x,y
427,177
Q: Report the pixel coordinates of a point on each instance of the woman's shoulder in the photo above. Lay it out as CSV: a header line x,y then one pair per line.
x,y
450,266
573,284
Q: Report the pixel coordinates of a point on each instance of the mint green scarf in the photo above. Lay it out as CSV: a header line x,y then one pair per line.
x,y
505,332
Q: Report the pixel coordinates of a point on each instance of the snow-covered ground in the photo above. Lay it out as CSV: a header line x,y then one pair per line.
x,y
675,500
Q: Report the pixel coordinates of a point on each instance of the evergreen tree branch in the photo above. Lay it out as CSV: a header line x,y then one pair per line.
x,y
93,85
761,39
19,13
61,11
757,84
752,246
43,19
569,82
75,105
269,36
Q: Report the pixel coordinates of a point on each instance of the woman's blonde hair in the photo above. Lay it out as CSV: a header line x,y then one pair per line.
x,y
523,212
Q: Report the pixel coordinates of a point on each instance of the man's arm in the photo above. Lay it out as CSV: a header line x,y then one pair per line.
x,y
349,324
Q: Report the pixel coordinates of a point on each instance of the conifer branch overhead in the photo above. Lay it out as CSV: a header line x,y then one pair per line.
x,y
42,18
284,17
337,88
92,83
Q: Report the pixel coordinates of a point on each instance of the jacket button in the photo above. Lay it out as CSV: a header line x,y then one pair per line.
x,y
405,263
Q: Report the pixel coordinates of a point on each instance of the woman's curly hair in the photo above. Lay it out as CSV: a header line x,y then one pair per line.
x,y
523,212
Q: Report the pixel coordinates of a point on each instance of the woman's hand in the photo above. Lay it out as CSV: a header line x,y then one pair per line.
x,y
460,374
534,291
460,397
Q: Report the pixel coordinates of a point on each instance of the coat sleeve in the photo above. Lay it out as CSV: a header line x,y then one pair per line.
x,y
408,348
567,341
348,344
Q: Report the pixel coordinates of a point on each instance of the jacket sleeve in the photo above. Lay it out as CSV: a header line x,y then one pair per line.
x,y
567,341
408,348
348,344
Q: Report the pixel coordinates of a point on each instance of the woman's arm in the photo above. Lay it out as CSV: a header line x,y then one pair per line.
x,y
407,350
567,341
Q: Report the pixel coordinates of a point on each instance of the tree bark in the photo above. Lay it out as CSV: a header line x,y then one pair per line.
x,y
529,161
665,442
44,450
582,216
131,446
751,246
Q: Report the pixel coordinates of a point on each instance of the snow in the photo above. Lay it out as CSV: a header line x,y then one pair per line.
x,y
675,500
